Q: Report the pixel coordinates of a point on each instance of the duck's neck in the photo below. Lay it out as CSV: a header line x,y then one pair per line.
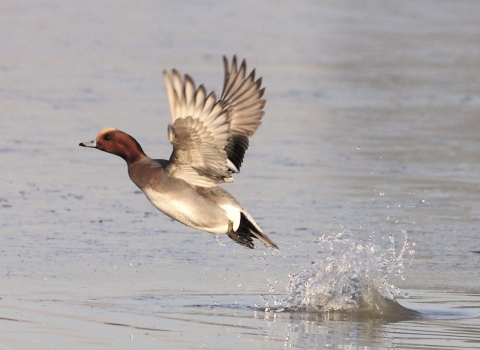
x,y
131,151
132,155
143,171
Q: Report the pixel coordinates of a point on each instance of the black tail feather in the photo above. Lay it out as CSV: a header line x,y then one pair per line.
x,y
247,231
242,238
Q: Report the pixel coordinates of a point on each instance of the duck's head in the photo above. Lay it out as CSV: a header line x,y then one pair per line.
x,y
117,142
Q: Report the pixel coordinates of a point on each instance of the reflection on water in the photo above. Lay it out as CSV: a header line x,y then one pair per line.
x,y
345,330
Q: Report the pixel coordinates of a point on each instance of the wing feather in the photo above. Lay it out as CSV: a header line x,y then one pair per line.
x,y
244,105
210,137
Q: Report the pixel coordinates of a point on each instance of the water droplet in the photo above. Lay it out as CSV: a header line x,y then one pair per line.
x,y
338,280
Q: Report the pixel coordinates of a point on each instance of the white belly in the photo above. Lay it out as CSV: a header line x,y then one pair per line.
x,y
195,212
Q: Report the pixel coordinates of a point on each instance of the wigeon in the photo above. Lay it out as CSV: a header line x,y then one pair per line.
x,y
209,139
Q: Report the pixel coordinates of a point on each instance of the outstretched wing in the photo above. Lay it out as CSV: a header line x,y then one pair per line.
x,y
243,103
210,137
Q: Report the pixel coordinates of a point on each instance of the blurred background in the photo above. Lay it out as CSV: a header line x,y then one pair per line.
x,y
371,126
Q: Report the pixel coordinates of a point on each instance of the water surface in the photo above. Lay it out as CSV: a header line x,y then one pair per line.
x,y
371,128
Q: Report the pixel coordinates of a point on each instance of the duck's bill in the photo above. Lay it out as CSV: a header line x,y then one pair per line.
x,y
92,144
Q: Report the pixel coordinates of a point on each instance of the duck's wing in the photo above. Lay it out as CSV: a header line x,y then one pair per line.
x,y
243,103
210,137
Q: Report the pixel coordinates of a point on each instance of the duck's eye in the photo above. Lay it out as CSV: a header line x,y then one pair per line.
x,y
107,137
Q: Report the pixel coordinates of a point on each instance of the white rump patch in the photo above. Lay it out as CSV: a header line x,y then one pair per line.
x,y
233,214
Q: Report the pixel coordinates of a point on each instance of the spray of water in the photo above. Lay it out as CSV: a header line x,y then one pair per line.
x,y
354,276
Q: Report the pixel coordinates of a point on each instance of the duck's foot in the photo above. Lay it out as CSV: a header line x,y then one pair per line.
x,y
241,239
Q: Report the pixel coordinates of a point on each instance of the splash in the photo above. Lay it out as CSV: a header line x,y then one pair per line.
x,y
354,276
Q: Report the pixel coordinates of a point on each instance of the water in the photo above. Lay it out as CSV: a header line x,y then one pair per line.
x,y
354,276
371,132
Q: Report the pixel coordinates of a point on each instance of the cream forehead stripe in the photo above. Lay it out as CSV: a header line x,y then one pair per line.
x,y
105,130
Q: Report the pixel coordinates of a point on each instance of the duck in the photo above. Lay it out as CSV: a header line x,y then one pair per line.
x,y
209,137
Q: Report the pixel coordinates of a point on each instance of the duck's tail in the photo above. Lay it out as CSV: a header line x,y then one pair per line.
x,y
247,230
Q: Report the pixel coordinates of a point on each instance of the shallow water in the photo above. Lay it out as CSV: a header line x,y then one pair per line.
x,y
371,128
